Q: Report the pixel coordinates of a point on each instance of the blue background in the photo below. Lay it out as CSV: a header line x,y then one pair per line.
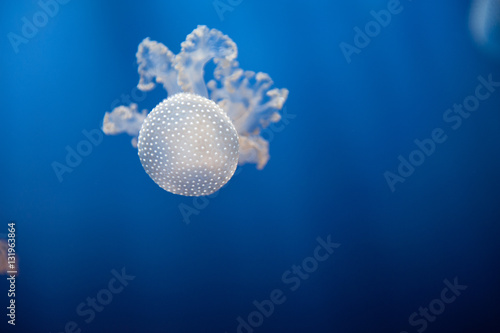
x,y
325,175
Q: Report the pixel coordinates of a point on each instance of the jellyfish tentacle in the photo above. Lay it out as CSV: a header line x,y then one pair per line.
x,y
252,105
124,119
201,46
253,149
247,97
156,63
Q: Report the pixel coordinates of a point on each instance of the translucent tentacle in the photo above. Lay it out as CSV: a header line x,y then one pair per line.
x,y
201,46
251,104
124,119
156,62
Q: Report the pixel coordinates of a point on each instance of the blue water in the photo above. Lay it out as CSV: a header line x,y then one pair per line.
x,y
348,124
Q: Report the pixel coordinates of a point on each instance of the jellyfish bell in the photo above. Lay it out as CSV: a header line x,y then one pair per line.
x,y
188,145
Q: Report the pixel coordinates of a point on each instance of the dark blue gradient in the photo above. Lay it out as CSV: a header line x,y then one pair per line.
x,y
348,124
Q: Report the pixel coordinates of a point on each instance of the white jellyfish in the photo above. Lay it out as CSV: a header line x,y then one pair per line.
x,y
191,143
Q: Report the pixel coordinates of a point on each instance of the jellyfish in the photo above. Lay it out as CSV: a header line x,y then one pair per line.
x,y
484,24
191,143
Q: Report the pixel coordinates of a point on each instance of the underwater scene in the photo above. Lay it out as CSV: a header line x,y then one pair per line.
x,y
250,166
